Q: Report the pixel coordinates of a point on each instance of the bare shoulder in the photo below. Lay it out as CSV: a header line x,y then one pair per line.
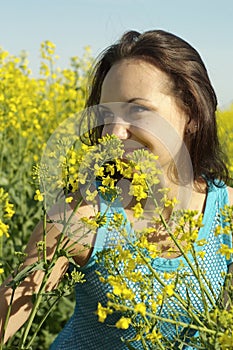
x,y
230,192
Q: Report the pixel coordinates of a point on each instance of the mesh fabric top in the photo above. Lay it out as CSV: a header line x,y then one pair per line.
x,y
84,332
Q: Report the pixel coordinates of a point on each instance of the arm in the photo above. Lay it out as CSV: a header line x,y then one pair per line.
x,y
230,191
22,302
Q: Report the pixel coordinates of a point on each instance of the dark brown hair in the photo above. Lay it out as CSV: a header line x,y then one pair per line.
x,y
190,85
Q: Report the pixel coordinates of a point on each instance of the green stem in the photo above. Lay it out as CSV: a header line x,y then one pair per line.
x,y
42,287
42,321
204,277
66,226
39,295
163,284
145,347
202,288
167,320
44,236
169,231
31,317
49,266
160,344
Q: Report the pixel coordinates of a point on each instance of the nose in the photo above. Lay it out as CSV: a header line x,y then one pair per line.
x,y
117,127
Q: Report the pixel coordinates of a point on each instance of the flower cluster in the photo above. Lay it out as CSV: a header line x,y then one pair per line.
x,y
6,213
31,110
32,107
143,296
225,130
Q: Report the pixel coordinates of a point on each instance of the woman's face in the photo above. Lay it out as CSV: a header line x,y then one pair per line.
x,y
137,107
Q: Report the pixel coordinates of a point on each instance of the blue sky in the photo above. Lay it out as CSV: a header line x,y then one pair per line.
x,y
73,24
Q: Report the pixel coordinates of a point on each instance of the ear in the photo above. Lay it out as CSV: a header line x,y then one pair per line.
x,y
191,127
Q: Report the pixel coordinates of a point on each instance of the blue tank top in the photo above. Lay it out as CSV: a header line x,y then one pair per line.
x,y
84,332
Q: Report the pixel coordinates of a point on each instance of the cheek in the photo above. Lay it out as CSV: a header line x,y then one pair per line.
x,y
162,135
165,143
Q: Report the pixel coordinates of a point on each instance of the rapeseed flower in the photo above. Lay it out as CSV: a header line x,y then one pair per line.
x,y
4,229
226,250
140,308
138,210
123,323
102,312
38,196
69,199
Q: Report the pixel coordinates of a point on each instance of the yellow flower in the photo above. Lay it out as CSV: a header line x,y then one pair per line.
x,y
118,218
159,299
117,289
201,242
90,196
154,336
102,312
90,222
123,168
110,168
201,254
8,208
38,196
139,178
169,202
138,210
83,179
154,306
138,191
226,340
140,308
226,250
127,293
108,181
69,199
124,254
99,170
169,275
4,229
153,249
123,323
169,290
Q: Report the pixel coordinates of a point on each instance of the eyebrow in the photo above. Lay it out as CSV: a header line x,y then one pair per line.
x,y
136,99
131,100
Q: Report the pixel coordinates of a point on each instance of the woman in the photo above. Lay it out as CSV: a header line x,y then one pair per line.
x,y
149,74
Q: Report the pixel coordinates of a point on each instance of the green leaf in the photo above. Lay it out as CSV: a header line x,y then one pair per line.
x,y
25,272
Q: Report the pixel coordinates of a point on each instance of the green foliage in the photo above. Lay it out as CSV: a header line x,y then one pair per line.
x,y
30,110
225,130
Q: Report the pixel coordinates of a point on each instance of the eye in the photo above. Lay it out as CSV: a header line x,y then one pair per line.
x,y
138,109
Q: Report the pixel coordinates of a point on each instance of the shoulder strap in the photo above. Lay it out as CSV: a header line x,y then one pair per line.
x,y
227,238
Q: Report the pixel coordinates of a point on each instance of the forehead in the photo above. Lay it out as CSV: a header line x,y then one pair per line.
x,y
132,77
